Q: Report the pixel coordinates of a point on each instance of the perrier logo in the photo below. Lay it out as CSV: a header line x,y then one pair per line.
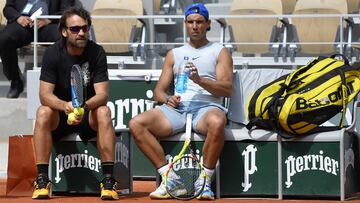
x,y
310,162
129,106
250,167
79,160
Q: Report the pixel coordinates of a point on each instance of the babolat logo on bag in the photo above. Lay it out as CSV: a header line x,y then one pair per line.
x,y
298,103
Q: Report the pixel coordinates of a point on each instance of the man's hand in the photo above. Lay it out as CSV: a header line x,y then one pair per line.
x,y
43,22
68,107
193,73
73,118
173,101
25,21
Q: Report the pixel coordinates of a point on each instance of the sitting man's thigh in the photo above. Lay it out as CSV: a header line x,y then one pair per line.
x,y
14,35
159,121
83,129
209,117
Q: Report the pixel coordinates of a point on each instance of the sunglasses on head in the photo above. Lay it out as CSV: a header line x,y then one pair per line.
x,y
76,29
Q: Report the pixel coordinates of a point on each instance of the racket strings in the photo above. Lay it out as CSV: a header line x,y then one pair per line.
x,y
185,180
77,84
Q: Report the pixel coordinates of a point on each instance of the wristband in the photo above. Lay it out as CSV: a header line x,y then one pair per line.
x,y
86,107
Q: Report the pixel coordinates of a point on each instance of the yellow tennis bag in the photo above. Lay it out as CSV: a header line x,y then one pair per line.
x,y
299,102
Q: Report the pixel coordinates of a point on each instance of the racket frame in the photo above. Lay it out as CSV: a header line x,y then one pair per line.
x,y
76,101
187,145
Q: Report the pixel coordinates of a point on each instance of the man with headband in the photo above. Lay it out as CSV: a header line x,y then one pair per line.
x,y
210,79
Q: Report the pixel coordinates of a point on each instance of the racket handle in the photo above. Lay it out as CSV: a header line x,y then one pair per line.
x,y
188,125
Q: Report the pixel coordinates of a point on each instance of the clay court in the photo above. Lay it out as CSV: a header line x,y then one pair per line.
x,y
140,194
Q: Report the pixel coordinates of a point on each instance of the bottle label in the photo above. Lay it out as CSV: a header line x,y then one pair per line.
x,y
182,77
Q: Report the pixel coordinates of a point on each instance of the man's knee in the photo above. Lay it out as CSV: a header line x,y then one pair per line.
x,y
44,116
103,114
134,126
43,113
217,121
13,37
138,126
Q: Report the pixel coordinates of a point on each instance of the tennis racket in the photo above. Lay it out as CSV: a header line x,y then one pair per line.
x,y
77,92
185,178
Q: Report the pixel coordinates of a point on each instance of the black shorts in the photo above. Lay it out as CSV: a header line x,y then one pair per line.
x,y
83,128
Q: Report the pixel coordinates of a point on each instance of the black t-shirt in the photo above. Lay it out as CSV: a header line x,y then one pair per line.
x,y
57,64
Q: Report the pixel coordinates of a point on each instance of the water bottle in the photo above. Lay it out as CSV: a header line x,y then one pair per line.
x,y
182,77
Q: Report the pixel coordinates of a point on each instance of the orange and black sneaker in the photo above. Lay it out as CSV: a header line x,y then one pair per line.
x,y
42,187
109,189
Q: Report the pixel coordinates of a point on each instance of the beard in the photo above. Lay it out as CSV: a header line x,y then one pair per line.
x,y
78,43
81,43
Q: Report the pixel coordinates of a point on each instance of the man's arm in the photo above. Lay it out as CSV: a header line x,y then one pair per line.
x,y
222,86
56,7
101,95
10,11
166,77
12,14
101,81
47,98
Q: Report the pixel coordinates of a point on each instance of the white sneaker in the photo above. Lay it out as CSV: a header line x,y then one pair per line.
x,y
174,185
199,183
206,194
160,192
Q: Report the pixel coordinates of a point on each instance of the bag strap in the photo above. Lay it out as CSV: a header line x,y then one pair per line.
x,y
329,128
305,68
286,85
302,69
279,93
274,98
345,59
344,94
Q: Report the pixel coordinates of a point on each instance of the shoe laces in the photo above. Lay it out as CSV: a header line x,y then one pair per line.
x,y
41,181
207,186
109,183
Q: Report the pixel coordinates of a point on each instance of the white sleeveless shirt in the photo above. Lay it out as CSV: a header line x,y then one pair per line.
x,y
205,60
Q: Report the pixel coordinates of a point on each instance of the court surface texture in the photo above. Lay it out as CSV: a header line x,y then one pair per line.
x,y
141,192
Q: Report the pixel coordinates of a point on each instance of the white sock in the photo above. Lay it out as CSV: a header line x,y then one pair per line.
x,y
209,173
162,170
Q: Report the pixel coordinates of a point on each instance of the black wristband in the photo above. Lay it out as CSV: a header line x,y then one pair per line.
x,y
86,107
